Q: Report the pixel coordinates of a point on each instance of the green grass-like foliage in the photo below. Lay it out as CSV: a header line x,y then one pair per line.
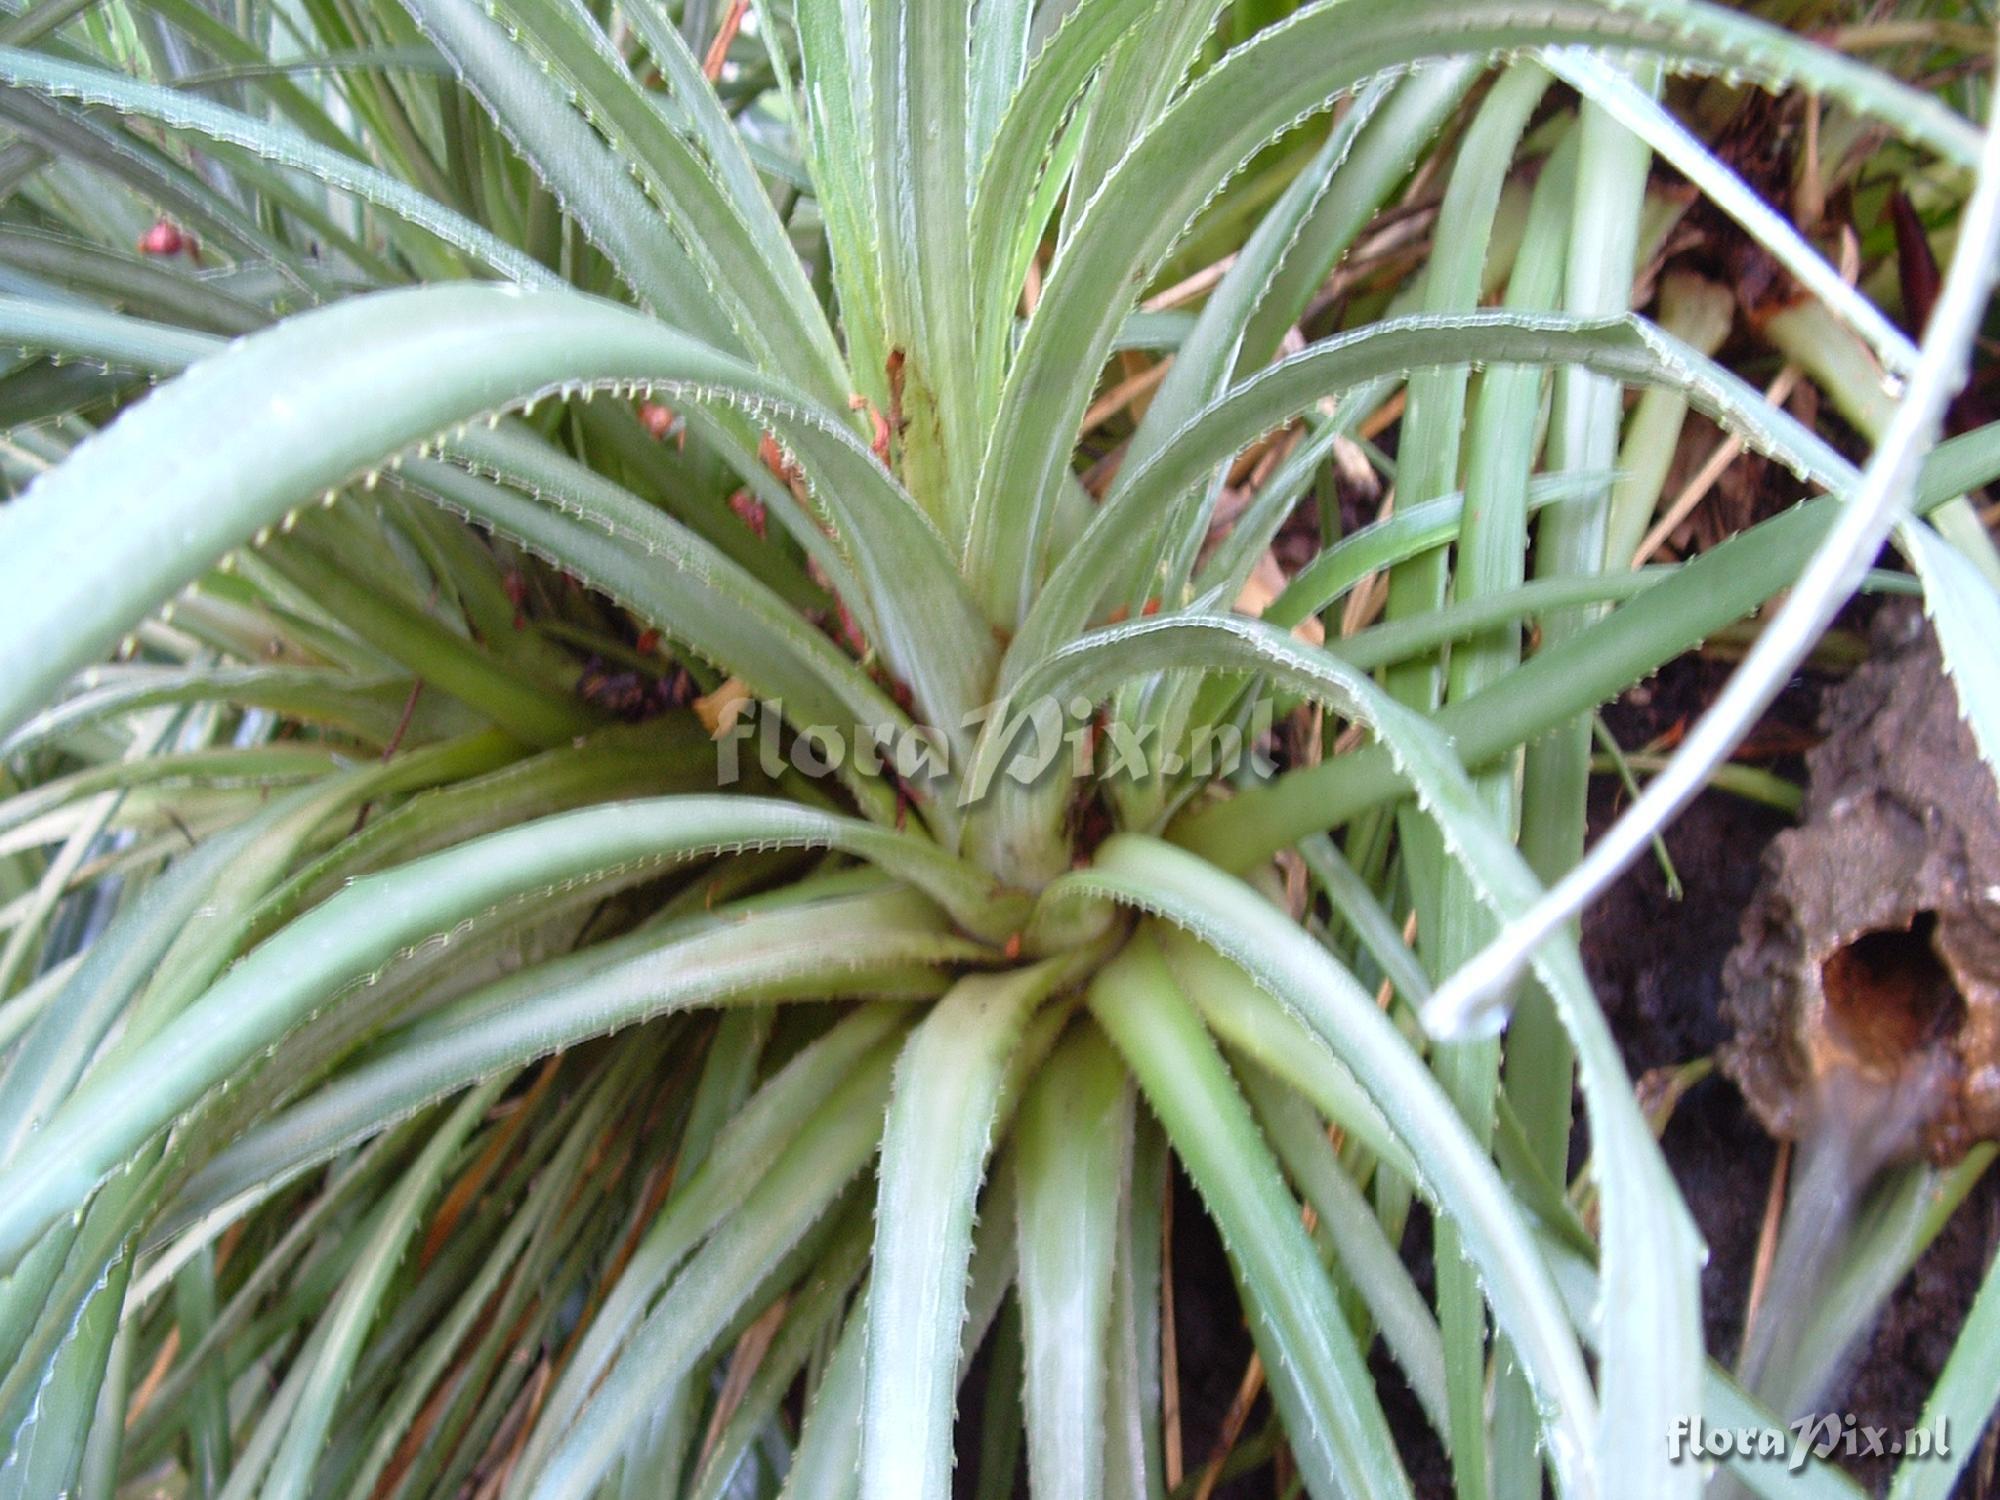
x,y
424,1072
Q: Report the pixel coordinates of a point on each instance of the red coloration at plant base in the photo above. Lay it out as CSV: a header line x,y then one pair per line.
x,y
648,642
774,459
162,239
750,511
851,632
1123,612
879,444
1916,267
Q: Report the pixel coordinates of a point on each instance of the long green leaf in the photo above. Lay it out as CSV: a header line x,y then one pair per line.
x,y
534,110
1637,110
733,238
276,143
1361,1247
1722,585
241,441
1627,348
1073,1140
374,922
347,1322
1004,229
1449,1165
1315,1368
1264,86
923,203
1881,499
935,1142
1652,1254
713,1286
1960,1404
1966,613
744,1150
856,946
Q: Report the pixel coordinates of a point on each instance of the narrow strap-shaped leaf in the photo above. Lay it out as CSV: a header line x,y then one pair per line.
x,y
1384,543
1371,1263
353,1312
208,1404
999,55
1965,611
1638,111
859,946
920,56
368,707
46,1455
1961,1403
1652,1255
112,340
1389,147
535,112
1724,1403
810,1316
56,1051
1627,348
1722,585
1004,235
744,1151
731,153
672,579
1881,499
180,111
1226,567
499,1259
261,766
1315,1368
1450,1167
995,1245
1430,440
716,605
1219,120
934,1149
1138,80
736,242
1202,365
1251,1023
616,764
1503,440
1134,1450
80,137
826,1463
240,441
1073,1143
374,921
839,97
670,754
710,1290
534,712
222,42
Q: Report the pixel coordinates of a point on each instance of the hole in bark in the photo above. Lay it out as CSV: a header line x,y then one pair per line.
x,y
1888,994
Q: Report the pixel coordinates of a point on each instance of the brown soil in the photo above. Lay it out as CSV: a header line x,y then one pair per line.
x,y
1657,967
1869,966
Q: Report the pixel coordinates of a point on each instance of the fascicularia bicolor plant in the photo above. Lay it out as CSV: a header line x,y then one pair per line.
x,y
420,1081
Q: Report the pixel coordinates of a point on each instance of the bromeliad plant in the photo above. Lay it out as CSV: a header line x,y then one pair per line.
x,y
419,1081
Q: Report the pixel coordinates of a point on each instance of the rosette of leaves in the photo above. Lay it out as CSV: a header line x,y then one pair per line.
x,y
422,1078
